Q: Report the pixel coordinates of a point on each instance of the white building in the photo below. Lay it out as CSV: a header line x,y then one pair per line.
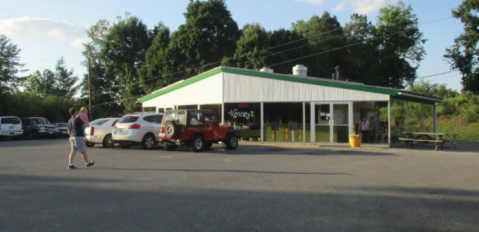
x,y
271,107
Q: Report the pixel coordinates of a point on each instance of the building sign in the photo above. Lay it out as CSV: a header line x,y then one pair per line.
x,y
234,113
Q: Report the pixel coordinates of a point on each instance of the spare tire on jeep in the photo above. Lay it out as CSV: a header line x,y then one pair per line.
x,y
171,129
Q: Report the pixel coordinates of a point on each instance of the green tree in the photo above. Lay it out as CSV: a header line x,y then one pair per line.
x,y
9,64
40,84
399,47
361,55
106,97
463,55
153,73
326,38
250,48
284,45
209,35
123,53
436,90
65,81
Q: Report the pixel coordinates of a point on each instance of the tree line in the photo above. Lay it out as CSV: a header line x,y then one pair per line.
x,y
128,60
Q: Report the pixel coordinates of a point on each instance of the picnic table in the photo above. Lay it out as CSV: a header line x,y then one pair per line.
x,y
433,137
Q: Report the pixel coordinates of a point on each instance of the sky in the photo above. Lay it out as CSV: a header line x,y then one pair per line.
x,y
48,30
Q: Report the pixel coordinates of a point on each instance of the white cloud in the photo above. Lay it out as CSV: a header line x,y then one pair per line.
x,y
363,6
314,2
78,42
31,27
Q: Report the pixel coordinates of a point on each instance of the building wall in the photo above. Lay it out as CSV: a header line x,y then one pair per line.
x,y
240,88
206,91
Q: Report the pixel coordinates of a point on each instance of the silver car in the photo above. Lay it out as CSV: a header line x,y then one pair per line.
x,y
62,128
99,132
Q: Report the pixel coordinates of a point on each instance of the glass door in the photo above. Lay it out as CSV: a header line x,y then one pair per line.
x,y
332,122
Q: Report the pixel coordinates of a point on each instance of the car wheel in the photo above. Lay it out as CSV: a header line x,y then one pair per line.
x,y
208,145
89,144
108,141
125,145
232,142
197,143
148,142
170,147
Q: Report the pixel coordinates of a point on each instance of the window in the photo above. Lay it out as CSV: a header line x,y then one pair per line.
x,y
153,118
98,122
11,121
210,117
129,119
177,116
196,118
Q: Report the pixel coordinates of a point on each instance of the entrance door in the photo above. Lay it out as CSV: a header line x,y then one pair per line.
x,y
332,122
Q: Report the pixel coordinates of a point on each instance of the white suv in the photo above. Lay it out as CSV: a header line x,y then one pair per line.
x,y
11,126
136,128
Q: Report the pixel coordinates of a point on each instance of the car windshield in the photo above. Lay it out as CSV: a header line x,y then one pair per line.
x,y
10,121
37,121
178,117
98,122
128,119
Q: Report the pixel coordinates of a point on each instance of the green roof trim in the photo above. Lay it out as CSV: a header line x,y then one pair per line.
x,y
395,94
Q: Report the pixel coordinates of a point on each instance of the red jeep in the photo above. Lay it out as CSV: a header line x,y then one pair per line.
x,y
197,129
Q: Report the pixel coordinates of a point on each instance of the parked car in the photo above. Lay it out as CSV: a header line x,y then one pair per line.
x,y
138,128
11,126
196,129
62,128
99,132
38,127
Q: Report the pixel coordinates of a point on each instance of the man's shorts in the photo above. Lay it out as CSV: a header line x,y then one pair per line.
x,y
78,144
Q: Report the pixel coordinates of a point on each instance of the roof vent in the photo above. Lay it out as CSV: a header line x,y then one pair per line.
x,y
266,70
300,70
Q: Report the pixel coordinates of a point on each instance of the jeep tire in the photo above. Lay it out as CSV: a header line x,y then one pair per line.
x,y
171,129
231,142
197,143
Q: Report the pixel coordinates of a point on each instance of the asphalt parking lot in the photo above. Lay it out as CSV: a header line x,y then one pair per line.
x,y
253,188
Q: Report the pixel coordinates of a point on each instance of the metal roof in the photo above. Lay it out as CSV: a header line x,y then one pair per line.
x,y
395,94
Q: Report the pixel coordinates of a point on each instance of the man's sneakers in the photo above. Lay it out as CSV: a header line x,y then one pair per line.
x,y
89,164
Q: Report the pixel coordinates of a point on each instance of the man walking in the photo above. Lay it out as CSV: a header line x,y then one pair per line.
x,y
76,131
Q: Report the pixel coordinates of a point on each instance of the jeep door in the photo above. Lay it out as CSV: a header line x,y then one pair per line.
x,y
212,126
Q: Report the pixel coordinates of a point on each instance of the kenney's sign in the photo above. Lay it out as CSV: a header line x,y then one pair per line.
x,y
236,114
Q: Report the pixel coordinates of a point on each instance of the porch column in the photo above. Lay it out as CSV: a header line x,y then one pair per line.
x,y
199,106
435,117
304,122
262,121
407,116
313,128
222,113
389,122
422,117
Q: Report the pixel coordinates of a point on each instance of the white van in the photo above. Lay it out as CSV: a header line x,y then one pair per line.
x,y
11,126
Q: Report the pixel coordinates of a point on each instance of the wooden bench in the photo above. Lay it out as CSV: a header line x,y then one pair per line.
x,y
411,141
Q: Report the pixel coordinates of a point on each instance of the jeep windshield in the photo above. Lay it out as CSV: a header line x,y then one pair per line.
x,y
177,116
